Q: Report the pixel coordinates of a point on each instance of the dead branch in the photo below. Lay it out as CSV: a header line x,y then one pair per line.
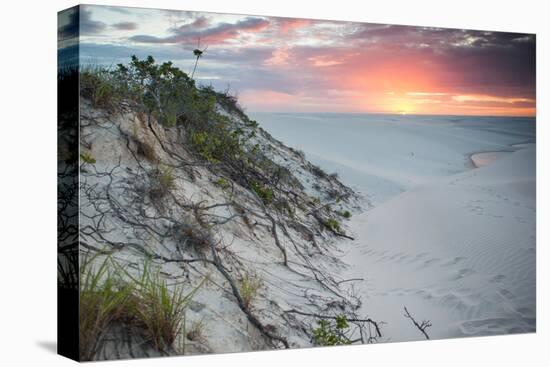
x,y
422,326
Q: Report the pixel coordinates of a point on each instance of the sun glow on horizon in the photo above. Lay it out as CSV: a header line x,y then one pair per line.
x,y
327,66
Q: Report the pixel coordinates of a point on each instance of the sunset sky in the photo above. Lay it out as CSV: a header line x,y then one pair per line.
x,y
300,65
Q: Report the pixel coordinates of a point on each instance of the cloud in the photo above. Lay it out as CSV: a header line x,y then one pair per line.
x,y
487,98
199,23
308,58
217,34
68,24
125,26
88,25
426,94
287,25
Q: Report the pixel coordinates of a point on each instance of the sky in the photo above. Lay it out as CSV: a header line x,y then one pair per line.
x,y
299,65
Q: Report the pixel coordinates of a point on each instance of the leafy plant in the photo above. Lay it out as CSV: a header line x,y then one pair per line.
x,y
264,192
332,333
223,183
87,158
346,214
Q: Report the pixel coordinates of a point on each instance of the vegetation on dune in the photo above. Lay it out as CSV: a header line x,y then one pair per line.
x,y
109,294
168,95
87,158
214,133
333,224
249,287
330,332
103,298
345,213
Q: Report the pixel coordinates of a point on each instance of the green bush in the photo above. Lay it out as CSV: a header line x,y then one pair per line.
x,y
332,333
333,225
96,83
264,192
222,183
346,214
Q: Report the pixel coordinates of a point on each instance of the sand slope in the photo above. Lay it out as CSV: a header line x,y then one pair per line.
x,y
459,251
452,242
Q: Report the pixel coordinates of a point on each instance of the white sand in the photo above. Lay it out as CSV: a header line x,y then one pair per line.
x,y
453,243
485,158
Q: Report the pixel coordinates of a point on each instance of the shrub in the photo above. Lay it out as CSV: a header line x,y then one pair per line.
x,y
329,333
317,171
249,287
96,84
223,183
333,225
264,192
346,214
192,236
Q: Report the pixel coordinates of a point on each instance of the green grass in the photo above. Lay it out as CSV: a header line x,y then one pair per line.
x,y
333,225
108,293
103,297
249,287
222,183
163,181
160,309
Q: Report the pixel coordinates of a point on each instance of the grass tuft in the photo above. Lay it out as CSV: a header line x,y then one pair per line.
x,y
103,297
249,287
162,182
108,294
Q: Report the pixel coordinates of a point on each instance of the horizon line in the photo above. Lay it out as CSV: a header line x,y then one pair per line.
x,y
393,114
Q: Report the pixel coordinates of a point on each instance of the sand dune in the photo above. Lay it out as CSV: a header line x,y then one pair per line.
x,y
460,252
452,242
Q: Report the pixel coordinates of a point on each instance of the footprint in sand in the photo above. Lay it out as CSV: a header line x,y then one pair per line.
x,y
497,278
424,294
454,261
418,257
463,273
506,294
428,263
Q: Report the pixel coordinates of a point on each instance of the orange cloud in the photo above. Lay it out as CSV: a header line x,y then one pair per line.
x,y
287,25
